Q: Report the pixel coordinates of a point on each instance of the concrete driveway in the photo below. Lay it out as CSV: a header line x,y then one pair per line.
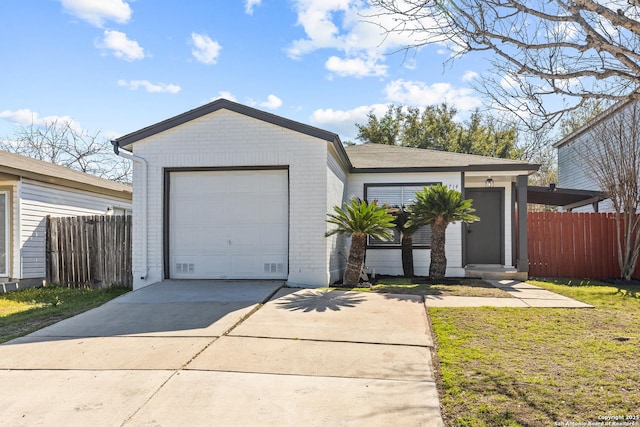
x,y
227,353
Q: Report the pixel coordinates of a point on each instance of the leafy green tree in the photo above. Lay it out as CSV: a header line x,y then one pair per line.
x,y
383,130
359,219
439,206
434,127
579,117
485,137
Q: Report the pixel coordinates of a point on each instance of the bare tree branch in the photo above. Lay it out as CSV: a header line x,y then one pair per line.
x,y
549,56
62,143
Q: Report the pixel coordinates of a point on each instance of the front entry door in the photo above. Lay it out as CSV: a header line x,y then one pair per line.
x,y
485,238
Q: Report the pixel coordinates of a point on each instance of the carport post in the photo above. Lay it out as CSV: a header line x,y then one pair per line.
x,y
523,233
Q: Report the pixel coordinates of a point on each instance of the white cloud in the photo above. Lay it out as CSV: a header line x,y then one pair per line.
x,y
355,67
205,50
343,122
421,94
508,81
249,5
96,12
271,103
149,87
121,46
225,95
570,31
28,117
353,28
469,76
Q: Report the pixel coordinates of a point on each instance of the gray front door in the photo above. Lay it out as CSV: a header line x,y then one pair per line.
x,y
485,238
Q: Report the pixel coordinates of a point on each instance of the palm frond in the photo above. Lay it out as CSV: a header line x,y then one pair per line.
x,y
440,202
358,216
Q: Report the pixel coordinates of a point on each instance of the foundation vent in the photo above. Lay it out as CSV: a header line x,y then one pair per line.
x,y
185,268
273,267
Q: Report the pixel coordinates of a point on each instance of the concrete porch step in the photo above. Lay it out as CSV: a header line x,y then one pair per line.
x,y
494,272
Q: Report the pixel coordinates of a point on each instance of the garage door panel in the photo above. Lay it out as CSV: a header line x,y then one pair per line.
x,y
245,265
229,224
274,237
189,267
273,212
243,207
274,182
246,238
199,240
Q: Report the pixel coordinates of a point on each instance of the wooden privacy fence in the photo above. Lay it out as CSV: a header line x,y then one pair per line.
x,y
89,251
568,244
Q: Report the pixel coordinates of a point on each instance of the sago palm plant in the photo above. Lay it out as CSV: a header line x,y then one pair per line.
x,y
406,228
359,219
439,206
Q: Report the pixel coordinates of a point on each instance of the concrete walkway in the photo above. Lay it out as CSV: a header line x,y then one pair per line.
x,y
201,354
524,295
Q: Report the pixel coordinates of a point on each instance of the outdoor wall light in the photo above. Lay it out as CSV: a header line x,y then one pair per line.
x,y
488,183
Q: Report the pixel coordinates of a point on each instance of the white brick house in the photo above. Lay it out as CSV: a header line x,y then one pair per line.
x,y
226,191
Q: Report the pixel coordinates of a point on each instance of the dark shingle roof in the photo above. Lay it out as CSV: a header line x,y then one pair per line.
x,y
392,157
358,158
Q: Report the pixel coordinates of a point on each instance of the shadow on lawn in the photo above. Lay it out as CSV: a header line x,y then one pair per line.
x,y
625,288
320,301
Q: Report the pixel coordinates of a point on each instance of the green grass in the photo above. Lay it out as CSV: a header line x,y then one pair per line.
x,y
27,310
463,287
537,366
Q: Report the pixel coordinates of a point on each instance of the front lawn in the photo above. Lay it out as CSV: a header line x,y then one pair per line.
x,y
540,366
27,310
420,286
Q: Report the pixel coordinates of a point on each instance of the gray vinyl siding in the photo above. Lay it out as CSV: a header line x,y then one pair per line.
x,y
37,200
574,174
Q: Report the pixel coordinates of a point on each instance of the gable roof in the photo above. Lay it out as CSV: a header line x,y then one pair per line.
x,y
393,158
127,140
594,121
225,104
15,164
357,158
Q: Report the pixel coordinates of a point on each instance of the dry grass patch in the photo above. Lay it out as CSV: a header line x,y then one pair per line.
x,y
537,366
421,286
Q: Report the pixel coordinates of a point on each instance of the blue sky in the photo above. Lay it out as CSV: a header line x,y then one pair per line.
x,y
116,66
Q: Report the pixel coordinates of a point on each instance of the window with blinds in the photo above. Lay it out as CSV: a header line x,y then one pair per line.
x,y
399,195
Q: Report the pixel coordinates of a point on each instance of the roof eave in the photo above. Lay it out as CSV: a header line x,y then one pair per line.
x,y
525,167
69,183
600,117
126,140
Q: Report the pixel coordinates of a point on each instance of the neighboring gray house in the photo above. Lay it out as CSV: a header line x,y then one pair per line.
x,y
32,189
572,171
226,191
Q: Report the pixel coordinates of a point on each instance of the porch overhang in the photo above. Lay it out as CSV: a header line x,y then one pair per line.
x,y
567,198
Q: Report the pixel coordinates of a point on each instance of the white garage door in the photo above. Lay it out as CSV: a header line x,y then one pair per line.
x,y
228,224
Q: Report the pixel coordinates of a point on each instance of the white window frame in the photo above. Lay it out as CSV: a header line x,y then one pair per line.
x,y
375,191
7,231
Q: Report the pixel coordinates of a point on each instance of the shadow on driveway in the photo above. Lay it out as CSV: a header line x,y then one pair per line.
x,y
320,301
170,308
